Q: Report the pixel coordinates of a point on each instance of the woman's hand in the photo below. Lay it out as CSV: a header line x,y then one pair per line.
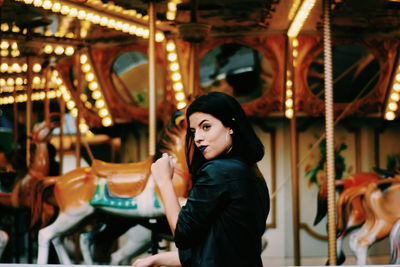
x,y
163,169
144,262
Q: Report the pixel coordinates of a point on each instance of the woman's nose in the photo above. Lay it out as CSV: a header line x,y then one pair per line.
x,y
198,137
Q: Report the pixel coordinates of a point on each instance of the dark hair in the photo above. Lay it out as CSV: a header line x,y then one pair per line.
x,y
245,142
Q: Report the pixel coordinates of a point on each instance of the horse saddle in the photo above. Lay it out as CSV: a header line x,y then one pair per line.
x,y
124,180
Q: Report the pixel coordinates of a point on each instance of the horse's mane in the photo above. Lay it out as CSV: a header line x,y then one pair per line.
x,y
174,131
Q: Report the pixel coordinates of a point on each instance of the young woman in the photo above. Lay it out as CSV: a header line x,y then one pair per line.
x,y
224,218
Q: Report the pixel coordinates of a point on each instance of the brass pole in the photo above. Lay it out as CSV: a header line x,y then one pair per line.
x,y
79,108
293,156
152,81
15,125
62,121
46,97
329,128
28,110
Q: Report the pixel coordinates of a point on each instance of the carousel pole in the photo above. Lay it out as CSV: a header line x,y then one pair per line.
x,y
28,109
152,80
62,120
15,125
79,108
193,59
46,97
289,75
329,128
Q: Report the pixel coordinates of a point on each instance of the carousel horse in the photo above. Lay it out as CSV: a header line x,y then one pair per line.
x,y
350,214
124,189
380,202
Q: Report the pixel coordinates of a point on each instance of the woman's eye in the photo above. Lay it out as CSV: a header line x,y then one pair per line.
x,y
206,127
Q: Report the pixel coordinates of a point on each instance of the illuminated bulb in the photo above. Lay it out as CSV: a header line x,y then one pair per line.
x,y
37,67
295,43
69,51
289,93
177,86
74,112
395,96
24,67
390,115
125,27
4,53
172,56
84,97
289,83
64,10
3,67
37,3
59,50
88,105
96,19
81,14
146,33
396,87
99,103
132,29
5,27
118,25
93,86
392,106
170,15
398,77
15,53
106,121
83,127
289,103
89,76
14,45
103,21
103,112
171,6
159,37
295,53
139,31
176,77
180,96
96,94
4,45
36,80
174,66
48,49
170,46
2,82
70,104
289,113
83,59
10,81
47,4
56,7
86,67
181,105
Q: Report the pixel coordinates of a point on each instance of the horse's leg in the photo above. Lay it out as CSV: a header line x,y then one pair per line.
x,y
85,240
64,222
3,241
139,240
395,244
61,251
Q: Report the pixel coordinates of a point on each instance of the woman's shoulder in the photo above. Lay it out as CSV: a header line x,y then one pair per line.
x,y
225,166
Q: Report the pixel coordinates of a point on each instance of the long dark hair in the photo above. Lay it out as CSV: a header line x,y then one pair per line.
x,y
245,142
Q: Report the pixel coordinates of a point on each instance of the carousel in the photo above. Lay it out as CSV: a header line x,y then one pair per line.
x,y
92,92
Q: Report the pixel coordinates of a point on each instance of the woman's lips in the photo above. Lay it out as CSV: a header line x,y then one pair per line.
x,y
202,148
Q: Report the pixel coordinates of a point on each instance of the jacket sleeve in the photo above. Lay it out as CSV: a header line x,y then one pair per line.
x,y
206,200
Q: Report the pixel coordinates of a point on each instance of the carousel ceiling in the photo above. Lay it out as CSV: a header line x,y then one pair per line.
x,y
87,38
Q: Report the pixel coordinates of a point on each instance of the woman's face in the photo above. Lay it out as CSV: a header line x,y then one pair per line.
x,y
211,137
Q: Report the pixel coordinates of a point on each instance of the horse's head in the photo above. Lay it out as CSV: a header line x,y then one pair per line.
x,y
41,131
172,141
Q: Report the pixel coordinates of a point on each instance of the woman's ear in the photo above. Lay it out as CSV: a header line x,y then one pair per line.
x,y
230,131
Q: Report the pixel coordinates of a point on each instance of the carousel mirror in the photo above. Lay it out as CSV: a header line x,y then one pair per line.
x,y
130,76
236,69
355,73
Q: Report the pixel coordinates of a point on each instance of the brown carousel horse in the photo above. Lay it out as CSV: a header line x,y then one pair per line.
x,y
22,191
350,214
381,204
124,189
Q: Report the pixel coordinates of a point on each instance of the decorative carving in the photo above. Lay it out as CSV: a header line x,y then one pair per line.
x,y
194,32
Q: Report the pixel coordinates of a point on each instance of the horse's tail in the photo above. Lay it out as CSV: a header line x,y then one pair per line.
x,y
42,198
395,244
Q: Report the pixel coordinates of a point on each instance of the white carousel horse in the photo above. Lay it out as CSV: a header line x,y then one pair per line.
x,y
395,244
124,189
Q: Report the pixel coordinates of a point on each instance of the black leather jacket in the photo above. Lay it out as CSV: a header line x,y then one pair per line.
x,y
224,217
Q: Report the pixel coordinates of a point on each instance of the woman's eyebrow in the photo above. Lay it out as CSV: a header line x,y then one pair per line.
x,y
202,122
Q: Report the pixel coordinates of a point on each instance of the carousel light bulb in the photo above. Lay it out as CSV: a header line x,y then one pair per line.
x,y
2,82
132,29
36,80
181,105
3,67
295,42
174,66
106,121
96,94
56,7
180,96
59,50
14,46
146,33
86,67
83,97
289,83
15,53
390,115
74,112
96,19
37,3
89,76
99,103
170,46
289,113
64,10
37,67
83,59
5,27
81,14
24,67
160,37
176,76
103,21
289,93
4,45
93,86
47,4
170,15
172,56
171,6
70,104
125,27
392,106
83,127
396,87
139,31
398,77
4,53
69,51
103,112
10,82
177,86
395,96
88,105
289,103
48,49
